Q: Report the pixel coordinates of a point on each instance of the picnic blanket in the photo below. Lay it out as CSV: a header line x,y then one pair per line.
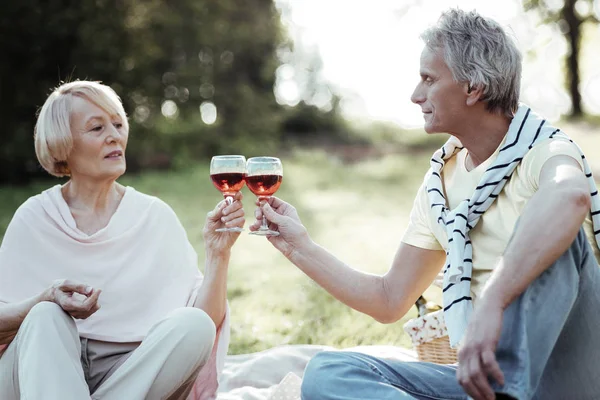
x,y
276,373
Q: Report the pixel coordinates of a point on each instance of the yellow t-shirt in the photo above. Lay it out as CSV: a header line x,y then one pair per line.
x,y
495,227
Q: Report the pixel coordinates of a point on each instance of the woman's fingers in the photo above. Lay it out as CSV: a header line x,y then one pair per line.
x,y
92,301
70,303
236,223
233,207
67,285
233,215
227,207
216,213
78,306
239,213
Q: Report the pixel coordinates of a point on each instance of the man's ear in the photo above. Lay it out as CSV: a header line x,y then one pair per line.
x,y
474,93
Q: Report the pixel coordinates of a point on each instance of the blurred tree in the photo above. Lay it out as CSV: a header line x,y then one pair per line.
x,y
37,42
208,82
569,16
314,113
196,76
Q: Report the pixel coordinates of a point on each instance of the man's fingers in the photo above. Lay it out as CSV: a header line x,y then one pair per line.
x,y
478,380
271,214
276,202
255,226
491,366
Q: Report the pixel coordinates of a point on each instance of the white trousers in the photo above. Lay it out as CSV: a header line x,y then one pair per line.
x,y
44,361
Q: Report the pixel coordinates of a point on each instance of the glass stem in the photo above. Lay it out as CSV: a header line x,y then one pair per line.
x,y
265,223
229,199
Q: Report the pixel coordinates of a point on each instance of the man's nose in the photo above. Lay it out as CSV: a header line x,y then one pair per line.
x,y
418,96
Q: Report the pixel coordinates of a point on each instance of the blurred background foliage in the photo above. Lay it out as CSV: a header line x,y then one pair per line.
x,y
200,77
570,16
196,77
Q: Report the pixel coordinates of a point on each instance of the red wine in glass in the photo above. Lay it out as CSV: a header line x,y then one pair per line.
x,y
227,174
263,177
263,185
229,183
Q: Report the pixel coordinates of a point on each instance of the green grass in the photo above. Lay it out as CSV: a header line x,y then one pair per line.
x,y
356,210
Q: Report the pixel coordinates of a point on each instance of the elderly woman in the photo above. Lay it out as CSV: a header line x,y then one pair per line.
x,y
100,294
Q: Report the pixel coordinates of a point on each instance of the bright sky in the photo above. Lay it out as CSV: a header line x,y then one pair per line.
x,y
370,51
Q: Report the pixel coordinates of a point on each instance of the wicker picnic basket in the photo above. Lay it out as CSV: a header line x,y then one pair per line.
x,y
430,338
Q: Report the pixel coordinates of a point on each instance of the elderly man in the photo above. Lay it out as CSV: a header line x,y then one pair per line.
x,y
507,211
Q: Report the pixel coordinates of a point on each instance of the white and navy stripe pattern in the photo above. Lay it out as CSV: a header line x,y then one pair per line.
x,y
526,130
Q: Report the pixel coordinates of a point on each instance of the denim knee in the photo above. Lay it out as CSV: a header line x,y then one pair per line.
x,y
320,375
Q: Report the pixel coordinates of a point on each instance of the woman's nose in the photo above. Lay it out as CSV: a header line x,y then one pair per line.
x,y
113,135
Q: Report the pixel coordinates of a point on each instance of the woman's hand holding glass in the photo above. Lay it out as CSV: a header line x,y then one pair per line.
x,y
224,224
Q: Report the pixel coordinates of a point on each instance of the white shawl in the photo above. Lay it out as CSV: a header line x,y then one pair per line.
x,y
142,260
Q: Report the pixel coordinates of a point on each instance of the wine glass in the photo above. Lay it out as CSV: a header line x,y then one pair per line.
x,y
263,177
227,174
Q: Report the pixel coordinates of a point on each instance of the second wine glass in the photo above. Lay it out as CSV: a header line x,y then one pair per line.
x,y
227,174
263,177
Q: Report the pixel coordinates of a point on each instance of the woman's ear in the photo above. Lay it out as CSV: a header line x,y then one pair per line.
x,y
474,93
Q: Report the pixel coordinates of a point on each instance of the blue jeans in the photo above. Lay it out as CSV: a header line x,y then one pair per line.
x,y
549,347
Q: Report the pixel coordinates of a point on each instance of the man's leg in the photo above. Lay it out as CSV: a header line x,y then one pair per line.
x,y
549,344
166,363
339,375
572,370
548,348
43,360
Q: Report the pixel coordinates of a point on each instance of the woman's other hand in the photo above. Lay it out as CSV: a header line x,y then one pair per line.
x,y
224,215
77,299
283,218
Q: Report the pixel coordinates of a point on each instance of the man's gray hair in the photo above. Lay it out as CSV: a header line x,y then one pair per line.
x,y
477,50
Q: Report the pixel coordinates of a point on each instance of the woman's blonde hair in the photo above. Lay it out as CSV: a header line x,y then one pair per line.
x,y
52,134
